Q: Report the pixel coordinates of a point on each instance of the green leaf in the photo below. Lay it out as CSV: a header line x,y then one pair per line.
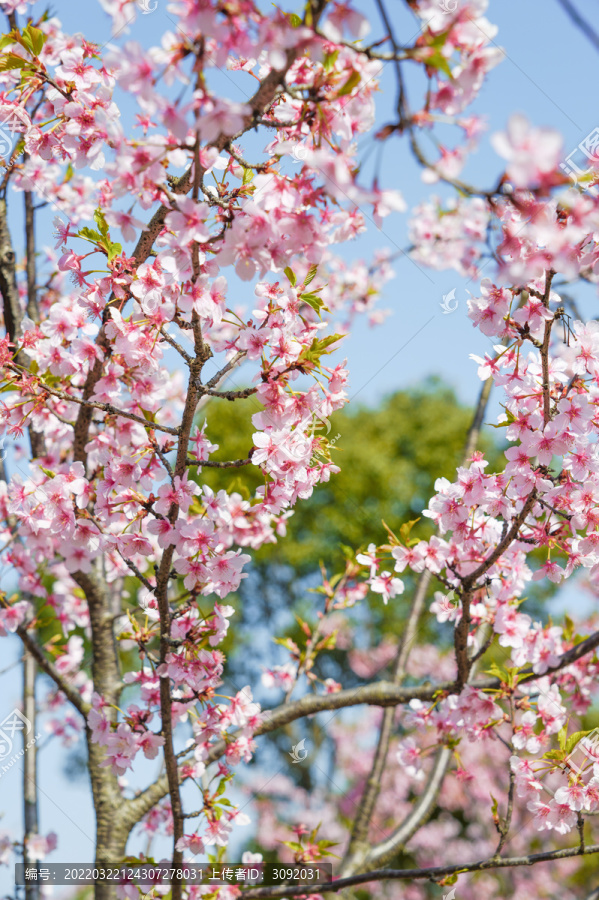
x,y
221,788
314,301
25,40
497,672
36,39
239,486
575,738
510,417
438,61
562,737
287,643
6,40
329,642
294,20
348,552
331,339
290,275
352,82
12,61
568,627
101,222
439,40
90,235
308,15
248,176
114,250
311,274
404,531
329,60
324,845
553,754
319,348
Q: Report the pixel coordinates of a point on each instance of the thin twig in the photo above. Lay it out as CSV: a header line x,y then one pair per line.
x,y
587,29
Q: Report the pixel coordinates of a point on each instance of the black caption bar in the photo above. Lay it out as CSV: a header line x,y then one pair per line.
x,y
146,875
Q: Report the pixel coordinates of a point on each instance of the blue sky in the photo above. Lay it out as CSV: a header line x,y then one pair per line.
x,y
548,73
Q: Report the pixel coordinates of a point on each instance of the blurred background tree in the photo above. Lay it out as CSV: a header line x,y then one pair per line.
x,y
390,457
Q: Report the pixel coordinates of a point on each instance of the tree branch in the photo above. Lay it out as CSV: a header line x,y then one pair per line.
x,y
382,693
215,464
30,796
544,351
30,267
372,786
109,408
71,693
580,22
259,103
13,315
432,873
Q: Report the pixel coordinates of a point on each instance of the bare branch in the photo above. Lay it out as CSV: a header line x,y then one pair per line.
x,y
215,464
71,693
432,873
581,23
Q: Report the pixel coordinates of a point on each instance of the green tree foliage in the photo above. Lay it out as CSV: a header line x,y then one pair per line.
x,y
389,457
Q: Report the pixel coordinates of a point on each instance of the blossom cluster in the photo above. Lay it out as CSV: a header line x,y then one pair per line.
x,y
133,333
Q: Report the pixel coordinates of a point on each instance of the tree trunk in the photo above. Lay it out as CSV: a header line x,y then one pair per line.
x,y
111,840
30,806
111,837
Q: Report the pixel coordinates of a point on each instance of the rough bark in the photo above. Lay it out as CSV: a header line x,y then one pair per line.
x,y
30,799
111,837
